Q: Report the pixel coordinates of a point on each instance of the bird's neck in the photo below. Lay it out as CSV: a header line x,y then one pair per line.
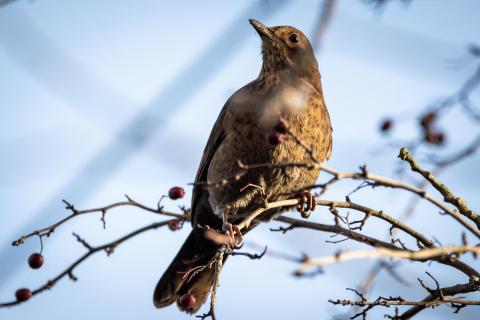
x,y
273,78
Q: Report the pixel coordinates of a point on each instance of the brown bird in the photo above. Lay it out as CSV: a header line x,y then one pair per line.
x,y
289,88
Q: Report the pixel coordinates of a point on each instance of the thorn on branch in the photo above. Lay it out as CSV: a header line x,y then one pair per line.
x,y
396,315
102,218
83,242
364,171
361,223
19,241
70,207
362,185
336,241
311,274
400,242
72,276
438,292
205,315
283,229
252,256
110,249
359,294
457,306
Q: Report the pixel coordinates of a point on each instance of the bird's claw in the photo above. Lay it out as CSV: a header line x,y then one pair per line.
x,y
307,204
234,236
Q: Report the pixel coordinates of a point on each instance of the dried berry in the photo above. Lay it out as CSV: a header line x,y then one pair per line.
x,y
175,225
437,138
187,301
35,261
386,125
275,138
23,294
281,126
176,193
427,120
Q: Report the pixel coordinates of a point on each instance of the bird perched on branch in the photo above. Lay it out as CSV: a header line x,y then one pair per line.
x,y
288,88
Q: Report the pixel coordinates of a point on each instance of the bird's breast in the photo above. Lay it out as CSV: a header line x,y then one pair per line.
x,y
247,122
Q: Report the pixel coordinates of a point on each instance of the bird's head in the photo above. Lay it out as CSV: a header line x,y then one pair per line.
x,y
286,48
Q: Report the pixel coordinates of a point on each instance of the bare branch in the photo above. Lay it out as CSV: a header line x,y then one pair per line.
x,y
108,248
47,231
442,188
420,255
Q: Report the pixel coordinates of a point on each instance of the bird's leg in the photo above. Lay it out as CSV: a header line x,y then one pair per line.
x,y
233,233
307,204
263,194
234,236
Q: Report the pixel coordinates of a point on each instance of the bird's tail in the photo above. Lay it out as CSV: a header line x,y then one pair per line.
x,y
188,273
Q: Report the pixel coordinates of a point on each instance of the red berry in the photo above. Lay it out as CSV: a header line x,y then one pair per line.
x,y
427,120
386,125
437,138
176,193
187,301
281,126
275,138
23,294
35,260
175,225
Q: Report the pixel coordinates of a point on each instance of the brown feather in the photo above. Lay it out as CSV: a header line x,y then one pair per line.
x,y
288,87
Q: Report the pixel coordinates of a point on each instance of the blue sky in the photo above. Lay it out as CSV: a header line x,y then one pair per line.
x,y
76,75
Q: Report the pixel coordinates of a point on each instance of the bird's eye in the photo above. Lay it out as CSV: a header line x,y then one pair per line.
x,y
293,38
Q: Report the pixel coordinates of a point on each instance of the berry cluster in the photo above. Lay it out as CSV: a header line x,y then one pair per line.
x,y
431,135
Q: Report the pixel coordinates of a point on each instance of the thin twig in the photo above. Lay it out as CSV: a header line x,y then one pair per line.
x,y
108,248
47,231
448,196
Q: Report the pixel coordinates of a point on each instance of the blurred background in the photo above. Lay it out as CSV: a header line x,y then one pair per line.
x,y
105,98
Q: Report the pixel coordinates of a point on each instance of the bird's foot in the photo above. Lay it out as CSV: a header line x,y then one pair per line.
x,y
231,236
307,204
234,236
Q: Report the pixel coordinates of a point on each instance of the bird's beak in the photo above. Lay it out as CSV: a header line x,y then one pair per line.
x,y
262,30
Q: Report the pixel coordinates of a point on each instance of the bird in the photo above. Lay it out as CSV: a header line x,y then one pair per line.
x,y
287,89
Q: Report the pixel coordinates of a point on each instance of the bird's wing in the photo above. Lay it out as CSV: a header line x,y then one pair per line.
x,y
319,102
196,251
214,141
326,142
329,134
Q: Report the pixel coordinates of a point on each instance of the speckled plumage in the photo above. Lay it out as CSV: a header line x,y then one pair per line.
x,y
289,87
244,126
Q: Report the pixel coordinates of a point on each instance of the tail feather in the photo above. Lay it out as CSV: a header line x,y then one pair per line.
x,y
196,251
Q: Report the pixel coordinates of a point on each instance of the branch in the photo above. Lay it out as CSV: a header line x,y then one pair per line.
x,y
364,175
420,255
457,304
108,248
447,260
435,295
47,231
448,196
216,283
439,166
336,229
